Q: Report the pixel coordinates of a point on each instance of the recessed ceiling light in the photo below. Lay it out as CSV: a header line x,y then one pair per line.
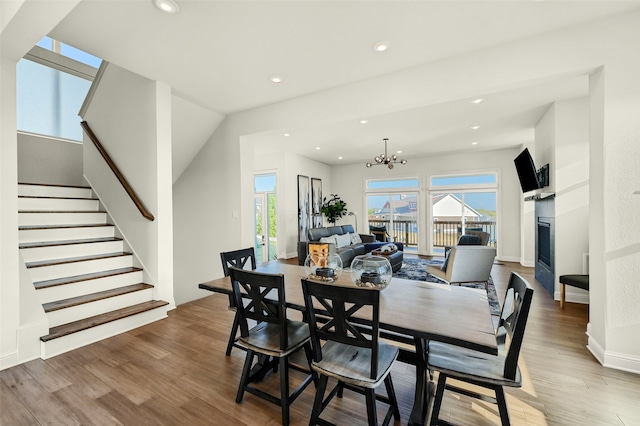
x,y
475,127
339,158
474,143
399,152
382,46
317,147
276,79
477,100
168,6
364,121
286,135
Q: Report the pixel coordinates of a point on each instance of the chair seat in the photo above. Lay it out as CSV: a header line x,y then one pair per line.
x,y
265,338
468,364
357,368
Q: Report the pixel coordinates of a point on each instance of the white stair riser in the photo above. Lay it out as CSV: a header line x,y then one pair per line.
x,y
61,234
66,291
55,218
75,313
56,204
53,191
43,273
76,340
70,250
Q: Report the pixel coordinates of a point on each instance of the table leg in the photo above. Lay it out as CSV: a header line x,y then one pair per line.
x,y
421,397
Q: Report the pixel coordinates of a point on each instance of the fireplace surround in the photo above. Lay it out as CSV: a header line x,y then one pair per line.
x,y
545,244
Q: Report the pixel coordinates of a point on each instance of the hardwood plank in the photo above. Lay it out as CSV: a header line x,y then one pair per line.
x,y
13,411
86,409
42,263
42,404
94,321
93,297
84,277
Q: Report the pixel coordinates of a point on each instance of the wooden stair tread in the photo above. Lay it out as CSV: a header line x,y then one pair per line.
x,y
56,198
60,211
42,263
87,225
84,324
93,297
54,184
84,277
68,242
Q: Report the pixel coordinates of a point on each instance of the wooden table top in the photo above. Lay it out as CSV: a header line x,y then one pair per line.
x,y
451,314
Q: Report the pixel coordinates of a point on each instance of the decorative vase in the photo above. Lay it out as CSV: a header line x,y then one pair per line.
x,y
371,271
323,267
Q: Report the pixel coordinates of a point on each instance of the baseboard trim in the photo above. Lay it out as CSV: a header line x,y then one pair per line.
x,y
291,255
573,297
9,360
610,359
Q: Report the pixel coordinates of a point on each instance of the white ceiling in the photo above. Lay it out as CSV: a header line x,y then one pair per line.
x,y
221,55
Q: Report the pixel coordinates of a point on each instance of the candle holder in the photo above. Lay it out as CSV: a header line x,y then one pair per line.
x,y
371,271
323,267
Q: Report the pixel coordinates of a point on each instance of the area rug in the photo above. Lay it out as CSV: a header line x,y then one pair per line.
x,y
416,269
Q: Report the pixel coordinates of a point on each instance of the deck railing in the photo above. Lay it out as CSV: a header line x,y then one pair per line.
x,y
445,233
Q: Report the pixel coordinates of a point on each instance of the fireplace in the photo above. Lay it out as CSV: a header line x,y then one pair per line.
x,y
545,244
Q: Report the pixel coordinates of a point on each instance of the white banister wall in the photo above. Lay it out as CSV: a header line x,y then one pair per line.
x,y
130,115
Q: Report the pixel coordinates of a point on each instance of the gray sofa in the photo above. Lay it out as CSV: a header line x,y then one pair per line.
x,y
346,253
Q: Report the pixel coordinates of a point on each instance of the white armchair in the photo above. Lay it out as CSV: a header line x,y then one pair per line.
x,y
466,264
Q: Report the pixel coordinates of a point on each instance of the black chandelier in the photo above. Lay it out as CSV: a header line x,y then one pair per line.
x,y
385,160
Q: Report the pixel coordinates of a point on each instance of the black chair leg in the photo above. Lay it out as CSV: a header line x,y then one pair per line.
x,y
370,395
437,402
502,406
340,389
317,403
284,390
244,378
391,393
309,355
234,333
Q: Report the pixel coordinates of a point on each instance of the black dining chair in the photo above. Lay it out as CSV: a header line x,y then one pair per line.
x,y
484,370
261,297
353,353
239,259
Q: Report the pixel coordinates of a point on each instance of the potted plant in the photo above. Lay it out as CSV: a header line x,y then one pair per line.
x,y
333,208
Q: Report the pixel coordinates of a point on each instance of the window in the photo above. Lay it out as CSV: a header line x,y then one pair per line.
x,y
460,203
392,204
52,82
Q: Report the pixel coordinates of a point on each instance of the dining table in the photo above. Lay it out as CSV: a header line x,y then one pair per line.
x,y
411,312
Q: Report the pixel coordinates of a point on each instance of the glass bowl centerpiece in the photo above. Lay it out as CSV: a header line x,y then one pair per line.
x,y
324,267
371,271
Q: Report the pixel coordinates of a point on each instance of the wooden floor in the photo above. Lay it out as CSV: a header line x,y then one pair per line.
x,y
174,372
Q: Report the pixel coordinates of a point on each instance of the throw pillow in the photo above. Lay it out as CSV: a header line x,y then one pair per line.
x,y
343,240
469,240
329,240
446,261
355,238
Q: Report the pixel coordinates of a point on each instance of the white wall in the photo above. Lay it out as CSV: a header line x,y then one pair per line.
x,y
423,168
130,115
571,176
43,159
9,277
22,25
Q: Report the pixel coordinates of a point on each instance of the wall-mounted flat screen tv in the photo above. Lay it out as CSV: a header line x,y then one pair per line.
x,y
526,171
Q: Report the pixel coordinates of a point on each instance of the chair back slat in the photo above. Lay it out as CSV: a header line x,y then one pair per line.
x,y
513,320
338,324
238,259
260,297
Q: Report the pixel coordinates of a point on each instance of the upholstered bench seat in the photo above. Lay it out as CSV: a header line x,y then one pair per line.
x,y
580,281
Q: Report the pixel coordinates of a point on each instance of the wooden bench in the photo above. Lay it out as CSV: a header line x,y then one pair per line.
x,y
580,281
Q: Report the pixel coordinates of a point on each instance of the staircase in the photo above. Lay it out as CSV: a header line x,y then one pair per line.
x,y
88,285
